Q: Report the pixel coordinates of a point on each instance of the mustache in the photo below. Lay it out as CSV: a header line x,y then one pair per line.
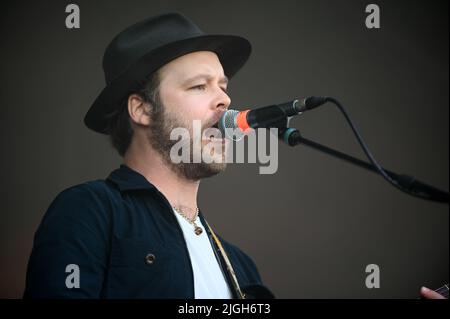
x,y
214,122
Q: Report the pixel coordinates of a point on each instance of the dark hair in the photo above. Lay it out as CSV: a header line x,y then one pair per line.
x,y
119,127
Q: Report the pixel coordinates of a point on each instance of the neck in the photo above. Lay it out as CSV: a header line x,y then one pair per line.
x,y
179,191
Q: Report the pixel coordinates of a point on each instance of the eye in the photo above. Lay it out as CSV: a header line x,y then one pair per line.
x,y
199,87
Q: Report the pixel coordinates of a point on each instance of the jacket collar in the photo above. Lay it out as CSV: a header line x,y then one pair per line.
x,y
127,179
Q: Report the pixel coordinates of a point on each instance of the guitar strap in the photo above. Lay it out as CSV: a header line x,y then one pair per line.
x,y
230,269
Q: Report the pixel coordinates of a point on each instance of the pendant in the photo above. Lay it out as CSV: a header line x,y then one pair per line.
x,y
198,230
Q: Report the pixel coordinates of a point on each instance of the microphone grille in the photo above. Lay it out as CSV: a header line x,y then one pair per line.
x,y
228,126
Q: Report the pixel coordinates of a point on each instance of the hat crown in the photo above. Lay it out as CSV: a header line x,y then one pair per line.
x,y
137,40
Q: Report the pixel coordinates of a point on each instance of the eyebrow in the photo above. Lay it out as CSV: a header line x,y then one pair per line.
x,y
208,77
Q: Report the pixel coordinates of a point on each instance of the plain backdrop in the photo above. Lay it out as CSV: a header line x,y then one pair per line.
x,y
314,225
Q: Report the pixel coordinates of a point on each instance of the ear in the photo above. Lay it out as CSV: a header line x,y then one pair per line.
x,y
138,110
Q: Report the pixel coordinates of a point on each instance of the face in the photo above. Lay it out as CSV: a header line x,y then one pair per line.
x,y
192,87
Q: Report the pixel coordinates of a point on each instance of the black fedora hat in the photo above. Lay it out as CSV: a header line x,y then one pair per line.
x,y
144,47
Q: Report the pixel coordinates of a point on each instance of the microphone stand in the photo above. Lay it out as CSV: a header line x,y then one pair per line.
x,y
406,183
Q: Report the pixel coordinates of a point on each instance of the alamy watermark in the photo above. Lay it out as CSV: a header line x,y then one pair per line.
x,y
73,17
73,279
373,19
373,279
209,146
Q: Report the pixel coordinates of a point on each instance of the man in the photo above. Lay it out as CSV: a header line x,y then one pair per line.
x,y
139,233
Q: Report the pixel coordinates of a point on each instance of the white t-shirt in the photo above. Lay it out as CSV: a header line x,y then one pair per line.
x,y
209,281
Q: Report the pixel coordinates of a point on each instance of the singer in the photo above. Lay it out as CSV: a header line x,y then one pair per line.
x,y
140,232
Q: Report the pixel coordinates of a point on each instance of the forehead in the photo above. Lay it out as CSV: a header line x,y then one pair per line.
x,y
190,65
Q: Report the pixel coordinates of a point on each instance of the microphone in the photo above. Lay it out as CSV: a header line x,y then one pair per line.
x,y
276,116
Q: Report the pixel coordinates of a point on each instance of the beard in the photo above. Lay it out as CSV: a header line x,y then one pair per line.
x,y
162,124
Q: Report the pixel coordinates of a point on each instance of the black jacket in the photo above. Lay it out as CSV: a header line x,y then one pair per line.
x,y
122,235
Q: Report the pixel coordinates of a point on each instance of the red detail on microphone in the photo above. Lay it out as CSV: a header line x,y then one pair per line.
x,y
241,120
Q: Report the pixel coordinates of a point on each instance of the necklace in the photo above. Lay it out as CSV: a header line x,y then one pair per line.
x,y
197,229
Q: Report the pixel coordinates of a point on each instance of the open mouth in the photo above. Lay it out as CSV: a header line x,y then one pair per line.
x,y
211,136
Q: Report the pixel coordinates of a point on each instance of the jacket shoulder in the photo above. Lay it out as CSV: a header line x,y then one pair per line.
x,y
80,201
75,230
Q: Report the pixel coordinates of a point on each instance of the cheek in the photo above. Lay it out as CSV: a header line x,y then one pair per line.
x,y
193,108
186,106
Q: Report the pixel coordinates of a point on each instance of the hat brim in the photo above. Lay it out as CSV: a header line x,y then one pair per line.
x,y
233,52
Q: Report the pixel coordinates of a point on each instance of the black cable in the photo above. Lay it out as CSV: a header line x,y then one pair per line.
x,y
406,179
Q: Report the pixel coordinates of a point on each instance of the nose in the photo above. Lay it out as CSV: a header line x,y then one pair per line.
x,y
223,100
